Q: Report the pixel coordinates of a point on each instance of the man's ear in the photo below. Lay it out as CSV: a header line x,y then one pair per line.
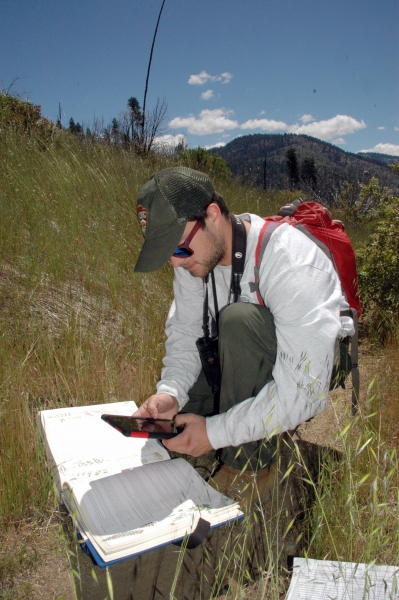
x,y
213,214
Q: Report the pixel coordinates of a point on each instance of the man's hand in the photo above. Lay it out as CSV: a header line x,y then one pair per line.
x,y
193,440
158,406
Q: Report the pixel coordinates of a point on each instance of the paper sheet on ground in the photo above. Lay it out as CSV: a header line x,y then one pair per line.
x,y
333,580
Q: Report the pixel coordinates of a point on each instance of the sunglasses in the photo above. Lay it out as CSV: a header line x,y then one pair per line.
x,y
183,250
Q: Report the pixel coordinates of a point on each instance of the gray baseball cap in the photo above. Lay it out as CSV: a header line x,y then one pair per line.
x,y
165,203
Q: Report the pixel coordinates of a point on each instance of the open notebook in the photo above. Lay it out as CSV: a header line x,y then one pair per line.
x,y
125,495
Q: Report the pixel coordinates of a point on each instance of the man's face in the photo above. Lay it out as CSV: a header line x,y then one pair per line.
x,y
208,249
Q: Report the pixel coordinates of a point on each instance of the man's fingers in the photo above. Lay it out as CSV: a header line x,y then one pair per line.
x,y
181,420
178,444
193,440
158,406
146,412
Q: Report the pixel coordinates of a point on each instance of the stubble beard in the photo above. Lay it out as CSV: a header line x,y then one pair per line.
x,y
217,252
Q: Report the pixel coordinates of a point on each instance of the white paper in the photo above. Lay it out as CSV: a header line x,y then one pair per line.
x,y
81,445
135,497
156,501
125,493
333,580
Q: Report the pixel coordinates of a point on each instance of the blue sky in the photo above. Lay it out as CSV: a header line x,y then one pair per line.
x,y
327,68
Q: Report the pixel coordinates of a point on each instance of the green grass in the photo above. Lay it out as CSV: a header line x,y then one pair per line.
x,y
78,327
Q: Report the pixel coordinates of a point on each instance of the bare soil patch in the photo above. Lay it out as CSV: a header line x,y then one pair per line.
x,y
325,428
34,561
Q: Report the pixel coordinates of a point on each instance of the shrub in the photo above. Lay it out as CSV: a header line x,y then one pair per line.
x,y
378,264
26,119
203,160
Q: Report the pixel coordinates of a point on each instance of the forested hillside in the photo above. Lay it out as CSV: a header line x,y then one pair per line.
x,y
320,166
376,156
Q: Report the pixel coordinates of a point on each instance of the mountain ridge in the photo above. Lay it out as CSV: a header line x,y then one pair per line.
x,y
245,158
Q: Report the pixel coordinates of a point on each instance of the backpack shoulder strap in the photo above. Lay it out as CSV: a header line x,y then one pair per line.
x,y
289,209
271,223
354,342
263,240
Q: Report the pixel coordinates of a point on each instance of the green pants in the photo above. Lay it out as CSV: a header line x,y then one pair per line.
x,y
247,350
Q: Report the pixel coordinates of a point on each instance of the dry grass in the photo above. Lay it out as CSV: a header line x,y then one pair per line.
x,y
356,513
79,327
34,561
387,401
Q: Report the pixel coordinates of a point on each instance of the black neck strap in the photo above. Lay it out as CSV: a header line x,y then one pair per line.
x,y
205,316
239,247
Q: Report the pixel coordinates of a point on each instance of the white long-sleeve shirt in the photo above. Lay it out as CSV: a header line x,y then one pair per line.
x,y
299,285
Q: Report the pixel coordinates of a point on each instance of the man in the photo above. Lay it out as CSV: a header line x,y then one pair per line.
x,y
276,360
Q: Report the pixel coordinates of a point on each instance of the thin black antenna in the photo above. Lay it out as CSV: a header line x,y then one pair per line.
x,y
148,72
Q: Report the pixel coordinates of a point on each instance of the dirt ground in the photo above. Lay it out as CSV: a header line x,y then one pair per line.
x,y
34,562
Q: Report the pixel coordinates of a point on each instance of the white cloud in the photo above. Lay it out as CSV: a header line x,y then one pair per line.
x,y
392,149
207,95
306,118
219,121
396,128
217,145
204,77
227,77
209,121
381,128
329,128
164,143
200,79
264,125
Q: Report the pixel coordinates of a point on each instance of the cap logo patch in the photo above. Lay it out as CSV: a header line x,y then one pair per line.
x,y
142,217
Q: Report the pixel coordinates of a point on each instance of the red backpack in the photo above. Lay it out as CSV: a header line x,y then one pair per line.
x,y
314,220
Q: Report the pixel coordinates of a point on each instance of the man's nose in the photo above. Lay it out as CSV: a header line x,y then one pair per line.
x,y
176,262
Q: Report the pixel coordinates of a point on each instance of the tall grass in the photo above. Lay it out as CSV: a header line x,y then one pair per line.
x,y
78,326
355,516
